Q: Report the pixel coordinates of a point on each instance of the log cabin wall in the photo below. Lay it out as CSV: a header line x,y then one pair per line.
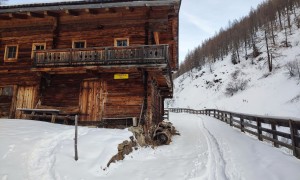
x,y
117,98
90,91
124,97
154,102
24,33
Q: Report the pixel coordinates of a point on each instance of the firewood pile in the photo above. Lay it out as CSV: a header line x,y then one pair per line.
x,y
163,133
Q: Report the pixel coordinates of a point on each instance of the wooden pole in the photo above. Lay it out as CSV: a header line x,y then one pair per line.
x,y
294,132
242,124
259,131
76,134
231,123
275,137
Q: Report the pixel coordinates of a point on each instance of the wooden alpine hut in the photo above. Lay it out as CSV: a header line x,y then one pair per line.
x,y
105,60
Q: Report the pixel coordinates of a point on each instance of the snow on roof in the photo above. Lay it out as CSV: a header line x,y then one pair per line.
x,y
50,5
58,2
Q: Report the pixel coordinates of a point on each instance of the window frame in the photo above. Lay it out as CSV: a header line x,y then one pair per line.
x,y
6,59
78,41
34,47
118,39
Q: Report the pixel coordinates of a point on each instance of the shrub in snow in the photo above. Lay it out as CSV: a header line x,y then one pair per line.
x,y
255,52
235,86
235,74
234,58
293,68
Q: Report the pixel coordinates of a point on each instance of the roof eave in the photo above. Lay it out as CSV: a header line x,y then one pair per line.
x,y
59,7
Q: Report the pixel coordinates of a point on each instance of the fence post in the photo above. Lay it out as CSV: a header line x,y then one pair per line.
x,y
209,112
242,124
214,113
230,120
259,131
275,137
221,116
226,118
294,132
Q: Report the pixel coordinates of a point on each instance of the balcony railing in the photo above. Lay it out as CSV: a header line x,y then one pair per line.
x,y
131,55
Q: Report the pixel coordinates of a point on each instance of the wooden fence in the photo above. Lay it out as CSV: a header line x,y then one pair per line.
x,y
265,128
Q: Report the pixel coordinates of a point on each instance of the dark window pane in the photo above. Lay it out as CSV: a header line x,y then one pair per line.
x,y
11,51
39,47
79,44
122,43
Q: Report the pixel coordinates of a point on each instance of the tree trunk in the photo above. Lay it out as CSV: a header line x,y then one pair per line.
x,y
272,31
279,16
289,20
269,58
286,36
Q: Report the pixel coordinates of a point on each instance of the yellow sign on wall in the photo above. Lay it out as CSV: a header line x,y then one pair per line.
x,y
121,76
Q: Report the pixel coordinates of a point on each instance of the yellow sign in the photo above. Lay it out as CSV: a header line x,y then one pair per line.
x,y
121,76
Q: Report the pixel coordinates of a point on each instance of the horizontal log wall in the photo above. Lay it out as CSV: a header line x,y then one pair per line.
x,y
255,125
99,30
125,97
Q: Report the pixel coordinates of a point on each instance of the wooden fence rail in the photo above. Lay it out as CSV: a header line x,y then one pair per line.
x,y
264,128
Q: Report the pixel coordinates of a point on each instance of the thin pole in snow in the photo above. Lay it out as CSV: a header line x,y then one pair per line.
x,y
75,139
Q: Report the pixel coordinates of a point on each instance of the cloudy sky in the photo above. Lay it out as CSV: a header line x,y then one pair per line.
x,y
199,19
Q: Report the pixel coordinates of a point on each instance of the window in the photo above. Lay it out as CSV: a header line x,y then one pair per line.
x,y
79,44
11,53
120,42
37,47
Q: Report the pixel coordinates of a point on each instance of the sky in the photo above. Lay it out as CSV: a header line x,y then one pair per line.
x,y
199,19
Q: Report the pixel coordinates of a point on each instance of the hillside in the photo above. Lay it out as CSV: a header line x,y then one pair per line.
x,y
273,93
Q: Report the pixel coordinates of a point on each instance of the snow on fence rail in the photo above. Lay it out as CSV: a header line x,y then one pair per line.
x,y
265,128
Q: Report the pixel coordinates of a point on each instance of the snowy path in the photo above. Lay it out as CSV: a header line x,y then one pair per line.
x,y
206,149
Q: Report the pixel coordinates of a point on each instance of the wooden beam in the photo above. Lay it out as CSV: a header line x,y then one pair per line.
x,y
72,12
131,9
110,10
156,37
5,17
49,13
36,15
18,16
92,11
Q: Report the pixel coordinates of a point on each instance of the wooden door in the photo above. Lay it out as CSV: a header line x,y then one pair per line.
x,y
26,98
92,99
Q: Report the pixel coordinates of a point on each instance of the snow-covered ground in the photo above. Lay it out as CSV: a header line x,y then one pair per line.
x,y
206,149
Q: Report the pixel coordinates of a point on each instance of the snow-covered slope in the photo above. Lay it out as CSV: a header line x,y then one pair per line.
x,y
266,93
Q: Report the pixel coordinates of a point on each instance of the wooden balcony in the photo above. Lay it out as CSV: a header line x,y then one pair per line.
x,y
154,55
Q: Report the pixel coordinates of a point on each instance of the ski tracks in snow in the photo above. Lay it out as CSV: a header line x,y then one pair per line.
x,y
215,163
42,159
